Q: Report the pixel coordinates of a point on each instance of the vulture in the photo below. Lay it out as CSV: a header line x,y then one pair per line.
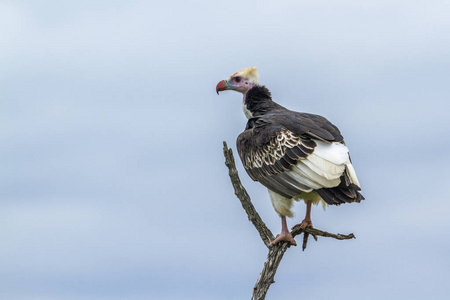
x,y
295,155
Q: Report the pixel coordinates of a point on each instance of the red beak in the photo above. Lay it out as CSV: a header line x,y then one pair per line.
x,y
221,86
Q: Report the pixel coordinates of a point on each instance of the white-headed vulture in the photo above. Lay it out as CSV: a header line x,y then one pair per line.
x,y
297,156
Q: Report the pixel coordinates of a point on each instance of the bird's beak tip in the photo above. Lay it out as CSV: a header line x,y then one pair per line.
x,y
221,86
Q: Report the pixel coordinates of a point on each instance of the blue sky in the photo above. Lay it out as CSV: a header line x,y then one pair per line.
x,y
113,185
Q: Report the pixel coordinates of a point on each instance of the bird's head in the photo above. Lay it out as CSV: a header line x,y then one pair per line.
x,y
241,81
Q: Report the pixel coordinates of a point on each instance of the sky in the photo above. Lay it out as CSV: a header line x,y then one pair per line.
x,y
112,178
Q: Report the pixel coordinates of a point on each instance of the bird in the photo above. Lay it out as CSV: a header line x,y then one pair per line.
x,y
295,155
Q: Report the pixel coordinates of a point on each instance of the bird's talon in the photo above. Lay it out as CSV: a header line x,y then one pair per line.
x,y
306,224
283,237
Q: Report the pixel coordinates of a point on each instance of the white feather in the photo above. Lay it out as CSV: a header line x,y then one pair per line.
x,y
250,73
324,167
352,174
298,179
335,153
321,180
247,112
303,177
282,205
321,169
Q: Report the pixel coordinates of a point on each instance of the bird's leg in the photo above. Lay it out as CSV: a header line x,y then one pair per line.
x,y
307,220
306,223
285,235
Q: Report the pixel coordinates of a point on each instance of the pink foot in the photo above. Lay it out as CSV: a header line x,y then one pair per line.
x,y
283,237
305,224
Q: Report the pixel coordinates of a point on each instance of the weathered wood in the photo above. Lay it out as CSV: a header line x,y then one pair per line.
x,y
241,193
275,255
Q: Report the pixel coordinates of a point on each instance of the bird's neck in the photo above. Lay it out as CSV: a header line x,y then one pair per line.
x,y
258,101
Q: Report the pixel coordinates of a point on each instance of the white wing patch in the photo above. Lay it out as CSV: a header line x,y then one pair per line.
x,y
352,174
324,167
336,153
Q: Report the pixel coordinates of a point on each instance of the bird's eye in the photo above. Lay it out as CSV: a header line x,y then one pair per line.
x,y
237,79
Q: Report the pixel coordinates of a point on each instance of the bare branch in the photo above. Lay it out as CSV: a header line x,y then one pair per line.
x,y
296,230
266,278
241,193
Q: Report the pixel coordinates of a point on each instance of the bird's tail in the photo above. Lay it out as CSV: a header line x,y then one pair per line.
x,y
345,192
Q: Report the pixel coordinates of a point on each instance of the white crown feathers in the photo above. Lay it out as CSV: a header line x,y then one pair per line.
x,y
249,73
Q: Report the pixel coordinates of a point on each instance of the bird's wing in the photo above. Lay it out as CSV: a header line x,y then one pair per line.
x,y
268,149
293,153
314,126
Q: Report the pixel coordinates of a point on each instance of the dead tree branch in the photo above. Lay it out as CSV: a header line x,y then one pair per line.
x,y
275,255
